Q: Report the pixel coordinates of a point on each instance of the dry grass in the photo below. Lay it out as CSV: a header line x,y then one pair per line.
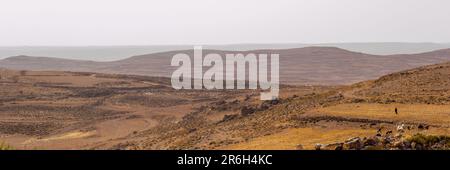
x,y
4,146
433,114
307,137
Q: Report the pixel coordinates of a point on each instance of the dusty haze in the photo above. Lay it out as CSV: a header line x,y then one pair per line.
x,y
142,22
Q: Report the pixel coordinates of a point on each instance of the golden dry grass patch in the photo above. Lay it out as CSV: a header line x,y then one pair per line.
x,y
289,139
434,114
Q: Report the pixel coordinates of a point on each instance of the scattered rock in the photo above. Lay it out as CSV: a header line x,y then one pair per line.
x,y
389,132
247,98
318,146
353,143
372,141
400,128
267,104
399,145
423,127
333,146
399,142
398,136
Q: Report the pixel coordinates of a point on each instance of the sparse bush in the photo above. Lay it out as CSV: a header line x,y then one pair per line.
x,y
358,100
4,146
90,93
228,117
245,111
22,72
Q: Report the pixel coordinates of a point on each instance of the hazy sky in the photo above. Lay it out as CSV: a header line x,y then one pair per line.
x,y
151,22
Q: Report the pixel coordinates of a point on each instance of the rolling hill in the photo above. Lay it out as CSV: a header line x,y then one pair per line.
x,y
319,117
309,65
73,110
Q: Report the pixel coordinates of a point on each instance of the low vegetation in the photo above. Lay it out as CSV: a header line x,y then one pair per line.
x,y
429,139
4,146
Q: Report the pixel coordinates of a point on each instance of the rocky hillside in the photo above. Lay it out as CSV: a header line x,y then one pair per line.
x,y
350,117
428,84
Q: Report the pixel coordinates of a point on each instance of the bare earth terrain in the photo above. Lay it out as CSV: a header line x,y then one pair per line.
x,y
73,110
84,110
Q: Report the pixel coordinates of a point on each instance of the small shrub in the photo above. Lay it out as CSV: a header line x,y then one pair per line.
x,y
4,146
429,140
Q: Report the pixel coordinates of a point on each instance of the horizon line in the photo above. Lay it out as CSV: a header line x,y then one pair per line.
x,y
227,44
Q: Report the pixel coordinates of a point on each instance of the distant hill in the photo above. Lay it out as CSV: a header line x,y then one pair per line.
x,y
308,65
389,48
45,63
111,53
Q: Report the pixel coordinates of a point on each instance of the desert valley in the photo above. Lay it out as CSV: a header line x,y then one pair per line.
x,y
330,98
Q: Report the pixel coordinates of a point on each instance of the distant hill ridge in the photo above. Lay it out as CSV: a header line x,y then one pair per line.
x,y
308,65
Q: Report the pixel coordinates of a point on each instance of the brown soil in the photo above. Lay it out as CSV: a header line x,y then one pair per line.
x,y
73,110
